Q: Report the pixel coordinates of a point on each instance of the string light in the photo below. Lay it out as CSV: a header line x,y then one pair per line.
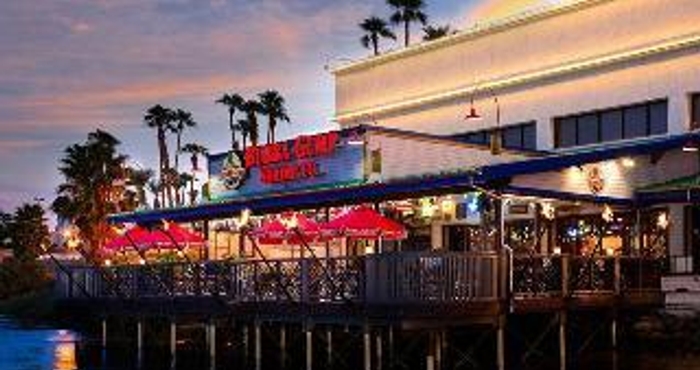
x,y
662,221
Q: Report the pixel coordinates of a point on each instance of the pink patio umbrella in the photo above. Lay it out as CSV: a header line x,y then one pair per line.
x,y
364,223
145,239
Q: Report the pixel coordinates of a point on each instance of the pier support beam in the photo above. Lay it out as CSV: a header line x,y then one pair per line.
x,y
391,346
258,346
613,333
430,356
501,343
367,342
329,345
173,343
246,346
562,341
211,335
104,333
139,344
283,346
378,339
309,347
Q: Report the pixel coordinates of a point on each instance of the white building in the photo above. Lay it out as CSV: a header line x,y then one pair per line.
x,y
570,77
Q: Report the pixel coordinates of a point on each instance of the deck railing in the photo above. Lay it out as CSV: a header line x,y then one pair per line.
x,y
399,278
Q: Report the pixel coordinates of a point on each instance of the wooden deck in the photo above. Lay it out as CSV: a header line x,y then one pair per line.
x,y
402,287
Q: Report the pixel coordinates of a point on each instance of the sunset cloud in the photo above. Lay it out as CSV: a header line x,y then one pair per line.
x,y
70,66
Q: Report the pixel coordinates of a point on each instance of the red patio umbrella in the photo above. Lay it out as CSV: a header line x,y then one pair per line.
x,y
281,230
173,233
364,223
144,239
136,237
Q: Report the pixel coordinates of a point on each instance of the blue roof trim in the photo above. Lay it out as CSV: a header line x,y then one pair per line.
x,y
348,195
569,159
674,196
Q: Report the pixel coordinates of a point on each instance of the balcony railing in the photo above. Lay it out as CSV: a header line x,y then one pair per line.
x,y
386,279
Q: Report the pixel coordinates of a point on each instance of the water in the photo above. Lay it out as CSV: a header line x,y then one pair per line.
x,y
44,348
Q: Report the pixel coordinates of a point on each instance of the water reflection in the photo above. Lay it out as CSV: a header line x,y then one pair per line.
x,y
64,353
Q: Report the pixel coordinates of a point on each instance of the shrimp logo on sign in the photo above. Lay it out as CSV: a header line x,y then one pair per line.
x,y
596,181
233,172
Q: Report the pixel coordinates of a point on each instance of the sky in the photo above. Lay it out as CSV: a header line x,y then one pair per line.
x,y
68,67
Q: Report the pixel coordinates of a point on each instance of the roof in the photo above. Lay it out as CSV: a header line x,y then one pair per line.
x,y
488,176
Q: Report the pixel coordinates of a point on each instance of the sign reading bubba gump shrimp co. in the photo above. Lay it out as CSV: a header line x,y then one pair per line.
x,y
291,160
307,162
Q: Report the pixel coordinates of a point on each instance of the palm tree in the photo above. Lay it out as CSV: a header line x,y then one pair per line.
x,y
195,150
252,108
182,119
431,33
273,107
93,174
244,126
140,179
233,102
156,189
161,119
407,12
375,28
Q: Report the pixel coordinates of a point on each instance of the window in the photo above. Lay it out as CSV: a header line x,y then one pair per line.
x,y
517,137
628,122
695,114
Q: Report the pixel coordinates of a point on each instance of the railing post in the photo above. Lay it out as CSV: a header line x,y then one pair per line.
x,y
565,275
304,269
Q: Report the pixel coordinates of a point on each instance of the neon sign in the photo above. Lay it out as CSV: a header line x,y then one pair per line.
x,y
292,160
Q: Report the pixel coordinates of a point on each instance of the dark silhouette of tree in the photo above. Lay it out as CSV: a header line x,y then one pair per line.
x,y
182,120
161,119
93,186
28,232
195,151
273,106
431,33
139,179
407,12
375,28
233,102
251,126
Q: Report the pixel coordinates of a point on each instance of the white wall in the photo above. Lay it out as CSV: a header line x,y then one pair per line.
x,y
412,155
611,27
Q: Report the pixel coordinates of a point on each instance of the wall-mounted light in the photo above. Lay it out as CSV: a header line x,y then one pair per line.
x,y
608,215
548,211
628,163
108,263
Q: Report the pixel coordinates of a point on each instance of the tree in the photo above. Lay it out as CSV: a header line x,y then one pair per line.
x,y
195,150
407,12
182,120
161,119
375,28
139,179
244,126
431,33
273,106
29,232
94,179
252,108
234,102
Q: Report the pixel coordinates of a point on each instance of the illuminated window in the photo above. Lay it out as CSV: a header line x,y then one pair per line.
x,y
633,121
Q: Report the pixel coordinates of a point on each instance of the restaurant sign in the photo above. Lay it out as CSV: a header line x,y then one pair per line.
x,y
315,161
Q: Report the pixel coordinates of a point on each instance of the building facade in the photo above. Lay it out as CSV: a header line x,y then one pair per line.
x,y
580,76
